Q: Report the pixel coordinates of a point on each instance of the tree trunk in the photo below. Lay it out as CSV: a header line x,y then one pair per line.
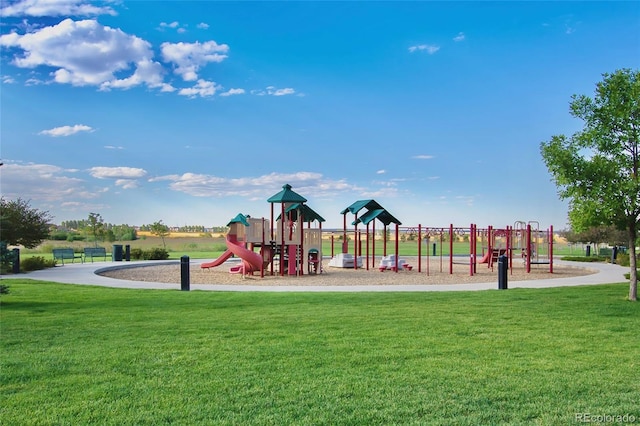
x,y
633,278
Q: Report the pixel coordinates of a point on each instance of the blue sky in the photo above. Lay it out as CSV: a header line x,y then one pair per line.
x,y
192,112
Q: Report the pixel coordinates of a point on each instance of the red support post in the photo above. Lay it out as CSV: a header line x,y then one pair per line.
x,y
355,242
551,249
373,244
282,225
528,258
420,248
397,245
451,249
367,247
345,247
471,245
509,252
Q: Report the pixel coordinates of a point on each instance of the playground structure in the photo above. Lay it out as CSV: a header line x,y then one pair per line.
x,y
374,211
245,234
288,247
284,245
293,243
525,241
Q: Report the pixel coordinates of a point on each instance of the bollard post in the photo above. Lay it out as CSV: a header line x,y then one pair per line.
x,y
614,254
588,251
16,261
503,264
127,253
184,273
434,249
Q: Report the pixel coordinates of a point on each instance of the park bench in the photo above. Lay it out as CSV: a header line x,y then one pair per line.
x,y
91,252
66,253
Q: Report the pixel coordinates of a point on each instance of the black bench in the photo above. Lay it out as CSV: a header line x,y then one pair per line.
x,y
66,253
91,252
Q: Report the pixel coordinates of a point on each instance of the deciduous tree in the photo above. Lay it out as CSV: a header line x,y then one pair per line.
x,y
20,224
161,230
597,167
96,227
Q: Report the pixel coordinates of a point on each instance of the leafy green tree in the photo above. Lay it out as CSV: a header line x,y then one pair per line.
x,y
597,167
20,224
161,230
124,232
96,227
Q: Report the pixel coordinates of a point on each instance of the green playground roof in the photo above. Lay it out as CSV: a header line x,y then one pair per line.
x,y
362,204
308,214
374,211
240,218
287,195
381,214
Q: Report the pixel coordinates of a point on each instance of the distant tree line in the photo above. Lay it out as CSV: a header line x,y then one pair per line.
x,y
93,229
597,235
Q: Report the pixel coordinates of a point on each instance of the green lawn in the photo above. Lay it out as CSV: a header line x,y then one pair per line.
x,y
80,355
211,248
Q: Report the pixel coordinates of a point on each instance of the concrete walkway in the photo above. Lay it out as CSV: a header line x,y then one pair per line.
x,y
86,274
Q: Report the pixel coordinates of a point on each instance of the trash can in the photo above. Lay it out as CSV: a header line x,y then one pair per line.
x,y
588,251
116,253
503,265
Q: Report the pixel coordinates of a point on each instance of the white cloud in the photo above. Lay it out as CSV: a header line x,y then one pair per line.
x,y
429,48
388,192
381,172
283,92
190,57
147,72
203,26
273,91
202,88
85,53
41,183
113,147
201,185
459,37
232,92
422,157
117,172
126,183
41,8
173,24
66,130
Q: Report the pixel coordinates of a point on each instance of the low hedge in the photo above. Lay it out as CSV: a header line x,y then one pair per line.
x,y
150,254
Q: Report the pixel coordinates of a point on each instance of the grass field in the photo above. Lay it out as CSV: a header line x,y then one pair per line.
x,y
197,247
88,355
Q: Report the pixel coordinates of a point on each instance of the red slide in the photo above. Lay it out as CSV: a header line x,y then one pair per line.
x,y
251,260
485,258
219,261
